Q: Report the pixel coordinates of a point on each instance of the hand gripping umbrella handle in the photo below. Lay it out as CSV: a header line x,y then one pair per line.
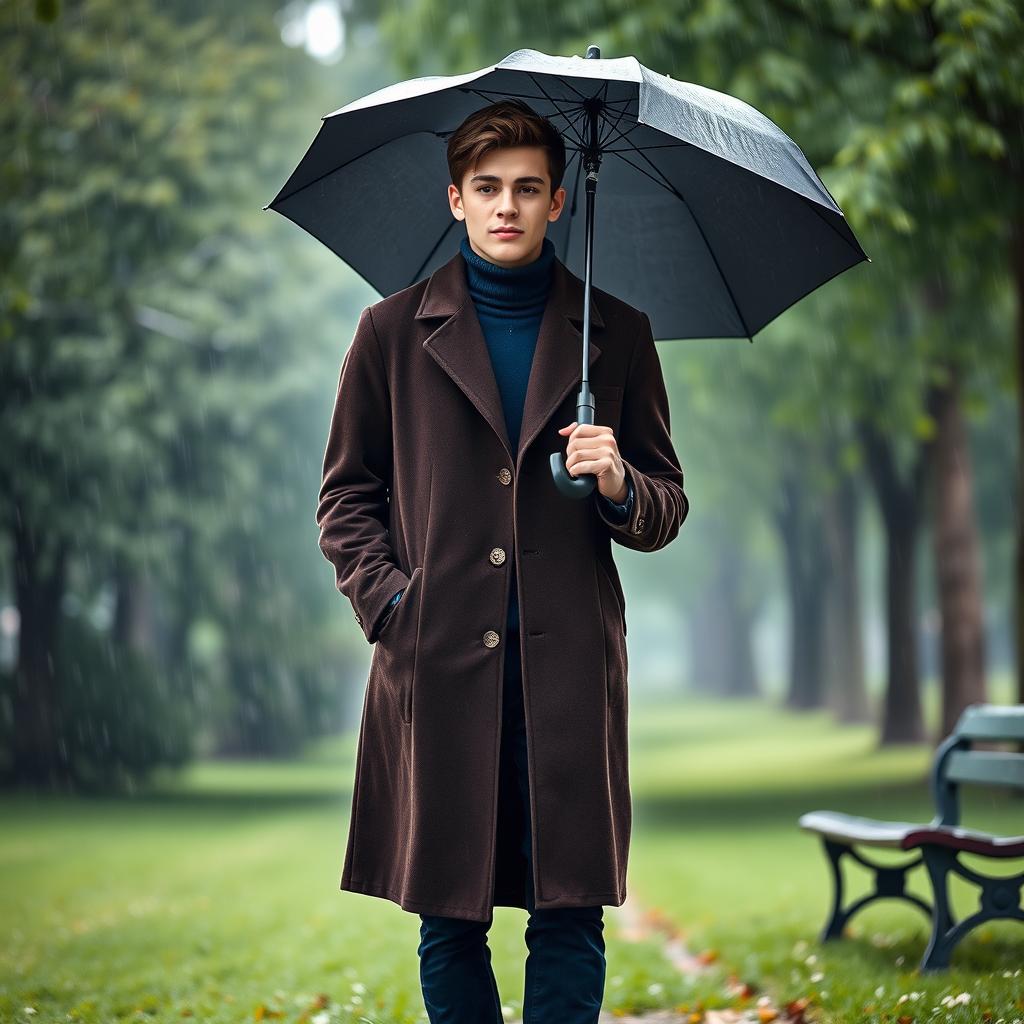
x,y
575,486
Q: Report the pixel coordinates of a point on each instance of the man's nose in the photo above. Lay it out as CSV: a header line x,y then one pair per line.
x,y
508,205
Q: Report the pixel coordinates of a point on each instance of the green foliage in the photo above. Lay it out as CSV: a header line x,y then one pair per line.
x,y
161,337
910,112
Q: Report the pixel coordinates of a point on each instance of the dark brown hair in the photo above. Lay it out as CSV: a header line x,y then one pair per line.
x,y
501,125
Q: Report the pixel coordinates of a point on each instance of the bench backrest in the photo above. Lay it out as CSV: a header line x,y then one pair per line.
x,y
956,761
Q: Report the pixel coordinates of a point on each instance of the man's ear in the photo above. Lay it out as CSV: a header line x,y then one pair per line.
x,y
455,203
558,198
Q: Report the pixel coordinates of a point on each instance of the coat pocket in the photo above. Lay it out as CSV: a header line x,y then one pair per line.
x,y
607,405
398,641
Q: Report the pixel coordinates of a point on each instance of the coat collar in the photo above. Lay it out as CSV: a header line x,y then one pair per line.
x,y
459,347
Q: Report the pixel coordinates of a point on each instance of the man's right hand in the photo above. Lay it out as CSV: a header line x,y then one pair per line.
x,y
388,609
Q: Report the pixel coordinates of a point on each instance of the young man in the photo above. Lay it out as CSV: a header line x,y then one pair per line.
x,y
492,756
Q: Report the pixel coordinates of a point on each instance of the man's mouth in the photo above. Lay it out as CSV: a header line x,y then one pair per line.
x,y
507,232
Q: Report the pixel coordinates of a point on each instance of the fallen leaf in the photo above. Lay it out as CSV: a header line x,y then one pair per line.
x,y
795,1009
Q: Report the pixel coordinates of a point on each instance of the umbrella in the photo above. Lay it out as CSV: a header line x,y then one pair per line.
x,y
715,222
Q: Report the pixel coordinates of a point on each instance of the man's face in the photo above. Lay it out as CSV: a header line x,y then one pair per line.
x,y
510,188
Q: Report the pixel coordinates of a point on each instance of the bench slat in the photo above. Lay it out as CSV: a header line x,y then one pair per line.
x,y
992,767
991,722
849,828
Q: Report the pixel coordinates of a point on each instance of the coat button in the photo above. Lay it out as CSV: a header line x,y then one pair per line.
x,y
504,476
639,525
497,555
491,638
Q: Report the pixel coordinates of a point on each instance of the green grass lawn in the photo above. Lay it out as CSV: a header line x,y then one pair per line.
x,y
214,896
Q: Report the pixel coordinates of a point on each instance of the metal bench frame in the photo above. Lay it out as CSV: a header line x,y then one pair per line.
x,y
939,842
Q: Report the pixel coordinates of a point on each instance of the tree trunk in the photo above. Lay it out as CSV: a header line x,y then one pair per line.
x,y
135,621
847,689
957,561
902,721
721,630
803,548
739,678
36,754
1017,262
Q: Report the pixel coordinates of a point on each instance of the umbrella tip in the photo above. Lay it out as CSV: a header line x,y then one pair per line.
x,y
593,51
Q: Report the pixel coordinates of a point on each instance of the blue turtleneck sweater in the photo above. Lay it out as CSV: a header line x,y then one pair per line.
x,y
510,303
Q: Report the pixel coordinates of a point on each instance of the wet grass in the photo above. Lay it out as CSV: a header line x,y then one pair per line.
x,y
213,896
719,851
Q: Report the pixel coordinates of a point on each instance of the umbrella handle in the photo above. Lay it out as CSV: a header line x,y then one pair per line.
x,y
568,485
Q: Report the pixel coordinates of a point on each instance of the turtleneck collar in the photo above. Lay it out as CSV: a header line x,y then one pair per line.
x,y
509,290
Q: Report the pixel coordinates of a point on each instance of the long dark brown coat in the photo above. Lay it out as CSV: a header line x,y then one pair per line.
x,y
418,417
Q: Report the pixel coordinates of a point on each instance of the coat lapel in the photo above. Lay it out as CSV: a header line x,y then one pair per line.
x,y
459,348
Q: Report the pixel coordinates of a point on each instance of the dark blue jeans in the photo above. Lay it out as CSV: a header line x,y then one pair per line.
x,y
565,963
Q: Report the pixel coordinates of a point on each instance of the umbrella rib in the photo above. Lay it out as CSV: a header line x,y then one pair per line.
x,y
554,103
572,212
433,249
320,177
644,149
613,126
725,280
621,134
821,216
581,114
487,93
579,167
665,184
563,81
707,243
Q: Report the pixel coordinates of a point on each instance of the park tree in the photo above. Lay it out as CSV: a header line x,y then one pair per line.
x,y
911,110
136,358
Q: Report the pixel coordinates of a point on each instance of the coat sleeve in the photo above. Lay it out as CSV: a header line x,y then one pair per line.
x,y
645,446
619,513
352,506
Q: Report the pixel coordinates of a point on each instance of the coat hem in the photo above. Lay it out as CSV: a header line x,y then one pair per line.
x,y
475,914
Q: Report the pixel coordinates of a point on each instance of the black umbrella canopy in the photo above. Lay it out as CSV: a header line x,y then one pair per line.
x,y
708,216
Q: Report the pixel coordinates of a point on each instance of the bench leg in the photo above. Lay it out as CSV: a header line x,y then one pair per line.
x,y
999,898
889,881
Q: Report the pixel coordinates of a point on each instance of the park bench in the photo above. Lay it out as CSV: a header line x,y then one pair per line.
x,y
958,760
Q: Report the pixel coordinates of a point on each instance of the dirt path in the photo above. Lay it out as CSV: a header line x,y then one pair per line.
x,y
638,924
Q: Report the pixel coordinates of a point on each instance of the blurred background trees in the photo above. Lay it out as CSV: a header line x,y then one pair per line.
x,y
169,352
